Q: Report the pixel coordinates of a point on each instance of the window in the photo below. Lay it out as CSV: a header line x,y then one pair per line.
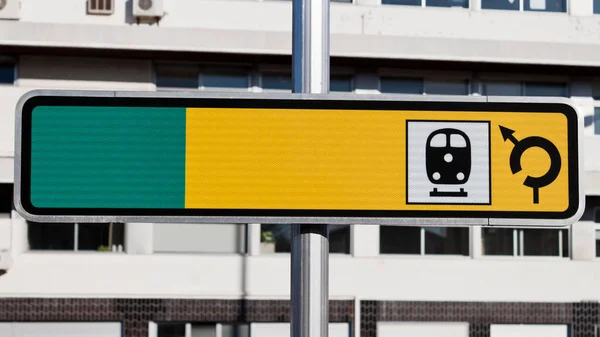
x,y
423,329
525,242
419,86
597,243
276,81
277,238
77,237
398,85
596,6
340,83
597,120
199,238
446,87
201,330
428,3
545,89
6,198
527,5
177,76
514,88
227,79
529,330
500,88
7,71
424,240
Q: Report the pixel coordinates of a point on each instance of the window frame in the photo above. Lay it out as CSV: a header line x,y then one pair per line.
x,y
523,10
204,69
427,76
422,246
483,78
424,5
9,60
519,244
120,248
258,241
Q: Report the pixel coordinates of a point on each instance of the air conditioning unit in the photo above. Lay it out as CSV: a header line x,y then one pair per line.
x,y
10,9
148,8
6,260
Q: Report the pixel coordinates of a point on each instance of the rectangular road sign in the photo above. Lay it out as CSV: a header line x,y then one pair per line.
x,y
292,158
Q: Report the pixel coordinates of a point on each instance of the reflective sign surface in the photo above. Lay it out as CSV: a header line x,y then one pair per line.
x,y
292,158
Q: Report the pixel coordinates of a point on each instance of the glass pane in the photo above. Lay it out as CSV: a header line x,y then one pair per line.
x,y
235,330
177,76
437,87
204,330
498,241
565,243
447,240
277,82
170,330
597,120
540,242
545,89
339,239
500,4
597,243
6,198
502,89
592,209
101,236
395,85
340,84
399,240
402,2
546,5
225,79
596,6
276,238
51,236
447,3
7,73
200,238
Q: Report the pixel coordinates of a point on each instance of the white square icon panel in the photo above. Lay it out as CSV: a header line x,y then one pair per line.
x,y
448,162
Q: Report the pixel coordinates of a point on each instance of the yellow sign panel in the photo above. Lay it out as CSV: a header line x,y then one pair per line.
x,y
356,160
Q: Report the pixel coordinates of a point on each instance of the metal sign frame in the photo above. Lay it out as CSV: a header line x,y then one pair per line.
x,y
492,104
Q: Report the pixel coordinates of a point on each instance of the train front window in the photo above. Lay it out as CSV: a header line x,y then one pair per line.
x,y
438,140
457,141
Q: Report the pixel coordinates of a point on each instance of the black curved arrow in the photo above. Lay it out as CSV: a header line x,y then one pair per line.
x,y
520,147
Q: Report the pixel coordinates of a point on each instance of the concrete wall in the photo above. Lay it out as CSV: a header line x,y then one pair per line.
x,y
231,276
84,73
373,30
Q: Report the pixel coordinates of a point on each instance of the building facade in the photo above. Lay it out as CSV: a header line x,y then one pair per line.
x,y
164,280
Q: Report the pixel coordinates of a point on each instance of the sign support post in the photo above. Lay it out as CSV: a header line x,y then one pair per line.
x,y
310,245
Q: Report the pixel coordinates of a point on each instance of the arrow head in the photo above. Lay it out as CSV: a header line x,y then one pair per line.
x,y
506,132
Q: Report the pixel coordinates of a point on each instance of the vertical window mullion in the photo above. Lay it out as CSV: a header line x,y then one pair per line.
x,y
422,240
76,238
515,242
521,242
560,243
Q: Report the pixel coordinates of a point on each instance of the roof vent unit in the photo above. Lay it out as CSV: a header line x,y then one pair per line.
x,y
102,7
148,8
10,9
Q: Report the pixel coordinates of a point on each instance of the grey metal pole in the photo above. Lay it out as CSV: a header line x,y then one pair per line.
x,y
310,243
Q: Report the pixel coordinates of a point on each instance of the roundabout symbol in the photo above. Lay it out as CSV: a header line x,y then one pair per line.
x,y
515,160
